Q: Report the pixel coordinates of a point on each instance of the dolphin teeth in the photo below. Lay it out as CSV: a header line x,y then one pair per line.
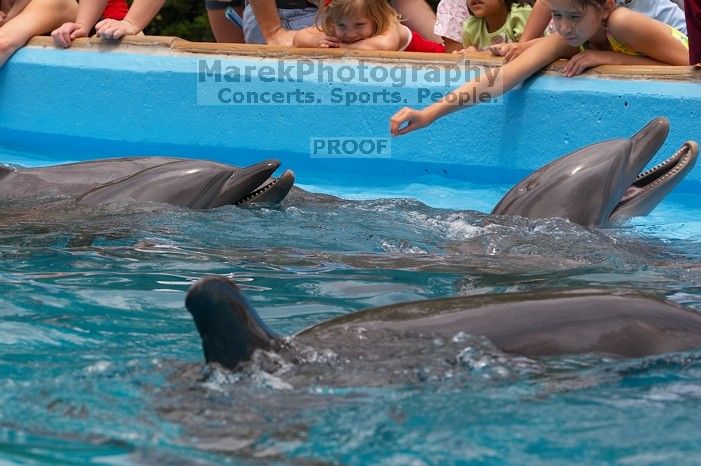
x,y
257,192
663,170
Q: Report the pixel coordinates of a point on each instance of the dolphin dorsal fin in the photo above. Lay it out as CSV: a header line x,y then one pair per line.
x,y
230,328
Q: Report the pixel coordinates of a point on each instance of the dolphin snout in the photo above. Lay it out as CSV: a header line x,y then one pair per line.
x,y
245,181
647,142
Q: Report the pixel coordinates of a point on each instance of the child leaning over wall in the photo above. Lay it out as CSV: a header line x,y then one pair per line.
x,y
540,22
136,19
588,32
362,24
22,19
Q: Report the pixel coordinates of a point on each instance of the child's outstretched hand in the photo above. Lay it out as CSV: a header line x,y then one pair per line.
x,y
113,29
64,35
414,119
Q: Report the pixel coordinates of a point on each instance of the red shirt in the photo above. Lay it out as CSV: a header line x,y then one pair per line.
x,y
115,9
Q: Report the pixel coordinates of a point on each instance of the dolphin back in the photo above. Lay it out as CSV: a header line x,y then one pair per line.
x,y
186,183
197,184
624,323
72,178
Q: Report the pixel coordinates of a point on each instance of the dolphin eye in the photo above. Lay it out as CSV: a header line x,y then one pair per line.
x,y
532,184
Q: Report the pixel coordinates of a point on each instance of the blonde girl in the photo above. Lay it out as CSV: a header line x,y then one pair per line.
x,y
362,24
589,33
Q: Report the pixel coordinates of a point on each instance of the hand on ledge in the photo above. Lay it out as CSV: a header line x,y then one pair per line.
x,y
113,29
470,49
64,35
584,60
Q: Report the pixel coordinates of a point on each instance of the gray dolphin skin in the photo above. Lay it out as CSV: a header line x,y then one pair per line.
x,y
537,324
197,184
602,183
594,186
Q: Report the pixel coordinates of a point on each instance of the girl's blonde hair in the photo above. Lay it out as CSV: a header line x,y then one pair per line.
x,y
379,12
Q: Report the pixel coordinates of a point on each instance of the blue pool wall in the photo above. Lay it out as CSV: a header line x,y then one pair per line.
x,y
79,104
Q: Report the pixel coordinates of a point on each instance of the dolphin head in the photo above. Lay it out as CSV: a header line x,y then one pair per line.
x,y
196,184
254,185
602,183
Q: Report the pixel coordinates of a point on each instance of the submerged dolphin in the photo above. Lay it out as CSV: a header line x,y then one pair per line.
x,y
196,184
624,323
602,183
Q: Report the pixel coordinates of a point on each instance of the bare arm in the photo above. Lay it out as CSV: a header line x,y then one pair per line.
x,y
417,16
268,20
142,12
511,74
89,11
492,83
643,34
451,45
314,37
537,22
647,36
590,58
511,50
388,40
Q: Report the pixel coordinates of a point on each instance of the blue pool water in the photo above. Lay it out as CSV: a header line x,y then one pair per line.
x,y
100,361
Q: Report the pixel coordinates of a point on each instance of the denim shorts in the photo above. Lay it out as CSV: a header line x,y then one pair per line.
x,y
292,19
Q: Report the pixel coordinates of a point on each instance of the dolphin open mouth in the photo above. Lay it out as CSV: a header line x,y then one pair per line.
x,y
662,174
272,191
255,185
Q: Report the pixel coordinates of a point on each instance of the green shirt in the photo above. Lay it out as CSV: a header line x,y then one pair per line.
x,y
474,30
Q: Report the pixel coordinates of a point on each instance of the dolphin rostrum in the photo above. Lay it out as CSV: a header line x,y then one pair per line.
x,y
602,183
190,183
534,324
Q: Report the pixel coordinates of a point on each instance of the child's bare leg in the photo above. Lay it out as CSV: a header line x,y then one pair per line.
x,y
38,17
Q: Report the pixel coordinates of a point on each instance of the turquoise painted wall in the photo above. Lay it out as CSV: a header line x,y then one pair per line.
x,y
80,104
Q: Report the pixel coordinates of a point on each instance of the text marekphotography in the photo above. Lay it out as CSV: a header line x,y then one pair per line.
x,y
326,82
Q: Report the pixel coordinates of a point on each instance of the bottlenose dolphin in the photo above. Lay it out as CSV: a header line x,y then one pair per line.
x,y
596,185
534,324
601,183
196,184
